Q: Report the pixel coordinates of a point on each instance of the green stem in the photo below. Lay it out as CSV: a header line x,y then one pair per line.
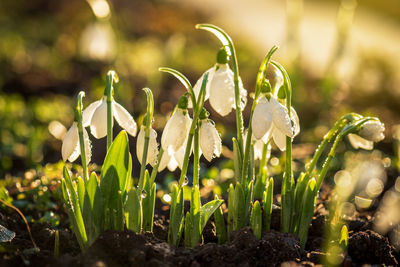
x,y
78,119
227,41
109,92
260,78
263,161
196,165
288,180
149,118
155,168
197,109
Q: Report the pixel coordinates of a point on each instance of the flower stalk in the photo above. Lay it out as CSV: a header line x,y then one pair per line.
x,y
109,92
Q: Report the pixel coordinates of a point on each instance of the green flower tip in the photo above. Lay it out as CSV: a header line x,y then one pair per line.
x,y
113,74
79,106
222,56
183,102
265,86
282,92
204,114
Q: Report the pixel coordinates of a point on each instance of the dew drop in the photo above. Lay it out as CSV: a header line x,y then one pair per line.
x,y
186,181
143,194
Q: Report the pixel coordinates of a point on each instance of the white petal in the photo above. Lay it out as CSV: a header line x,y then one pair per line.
x,y
281,118
258,148
197,86
279,139
358,142
373,131
70,146
262,118
176,130
98,124
87,113
164,161
210,141
179,156
295,121
88,146
152,152
222,90
172,164
124,118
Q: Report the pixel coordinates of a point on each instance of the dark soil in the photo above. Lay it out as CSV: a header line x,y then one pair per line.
x,y
127,248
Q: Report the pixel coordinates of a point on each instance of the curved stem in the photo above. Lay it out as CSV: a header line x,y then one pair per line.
x,y
197,109
182,78
149,118
260,78
109,92
227,41
78,119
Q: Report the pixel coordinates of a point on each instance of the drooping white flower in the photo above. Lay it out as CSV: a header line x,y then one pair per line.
x,y
210,141
220,89
152,152
176,130
95,116
370,132
70,149
271,118
174,140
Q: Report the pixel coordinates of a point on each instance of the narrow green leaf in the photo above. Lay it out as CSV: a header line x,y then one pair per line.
x,y
237,159
241,207
207,210
81,192
255,219
308,211
220,225
231,209
195,212
344,237
72,202
268,199
188,230
132,211
176,216
298,200
148,204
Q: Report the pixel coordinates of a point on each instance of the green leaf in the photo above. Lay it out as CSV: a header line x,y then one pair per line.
x,y
81,192
132,211
119,159
231,209
207,210
220,225
268,198
255,219
115,175
72,202
195,212
176,216
5,234
240,206
237,159
344,237
308,211
188,230
148,203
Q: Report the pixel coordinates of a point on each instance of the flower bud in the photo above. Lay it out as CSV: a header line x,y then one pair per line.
x,y
373,131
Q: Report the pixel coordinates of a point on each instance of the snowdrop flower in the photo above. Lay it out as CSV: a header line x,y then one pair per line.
x,y
174,137
70,149
370,132
152,152
220,89
95,116
271,118
210,141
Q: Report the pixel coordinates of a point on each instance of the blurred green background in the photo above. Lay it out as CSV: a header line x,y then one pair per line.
x,y
342,56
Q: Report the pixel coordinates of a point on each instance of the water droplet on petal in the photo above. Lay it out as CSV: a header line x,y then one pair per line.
x,y
143,194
